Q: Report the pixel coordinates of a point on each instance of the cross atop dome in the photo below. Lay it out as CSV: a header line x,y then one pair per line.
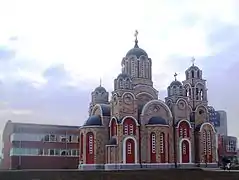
x,y
136,39
175,76
193,61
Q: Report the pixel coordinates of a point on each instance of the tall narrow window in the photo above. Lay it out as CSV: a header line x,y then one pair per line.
x,y
131,129
185,133
181,132
132,68
126,129
192,74
184,149
204,143
90,144
209,142
129,150
153,143
161,143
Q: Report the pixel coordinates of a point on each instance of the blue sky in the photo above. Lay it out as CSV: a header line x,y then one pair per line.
x,y
53,53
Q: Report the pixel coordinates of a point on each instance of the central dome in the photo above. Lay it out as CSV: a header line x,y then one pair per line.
x,y
136,51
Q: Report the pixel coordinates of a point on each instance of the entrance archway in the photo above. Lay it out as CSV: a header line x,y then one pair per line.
x,y
129,151
185,151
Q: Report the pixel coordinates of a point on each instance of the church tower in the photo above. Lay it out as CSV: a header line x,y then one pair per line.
x,y
196,93
195,86
98,96
138,66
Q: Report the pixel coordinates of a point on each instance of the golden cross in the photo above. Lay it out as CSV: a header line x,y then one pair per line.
x,y
193,60
175,76
136,34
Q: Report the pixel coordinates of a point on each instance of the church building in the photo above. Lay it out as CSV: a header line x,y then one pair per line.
x,y
135,129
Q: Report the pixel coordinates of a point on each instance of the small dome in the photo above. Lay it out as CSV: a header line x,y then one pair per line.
x,y
157,120
123,76
93,121
176,83
193,67
112,141
136,51
100,89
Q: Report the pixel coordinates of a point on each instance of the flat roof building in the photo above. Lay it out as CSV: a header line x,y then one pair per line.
x,y
39,146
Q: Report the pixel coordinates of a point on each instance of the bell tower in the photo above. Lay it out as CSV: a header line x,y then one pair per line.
x,y
195,86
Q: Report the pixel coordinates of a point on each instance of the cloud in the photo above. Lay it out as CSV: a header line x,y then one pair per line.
x,y
6,53
50,62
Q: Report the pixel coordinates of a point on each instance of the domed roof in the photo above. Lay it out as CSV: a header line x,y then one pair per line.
x,y
136,51
157,120
176,83
100,89
123,76
193,67
93,121
105,109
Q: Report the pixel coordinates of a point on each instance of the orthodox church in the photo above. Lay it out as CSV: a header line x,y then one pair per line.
x,y
135,129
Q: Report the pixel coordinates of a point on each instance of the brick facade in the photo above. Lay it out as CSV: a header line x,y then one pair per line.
x,y
135,100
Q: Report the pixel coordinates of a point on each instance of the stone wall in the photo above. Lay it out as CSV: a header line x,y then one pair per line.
x,y
172,174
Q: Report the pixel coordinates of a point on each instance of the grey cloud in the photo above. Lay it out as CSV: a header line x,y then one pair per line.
x,y
221,71
52,103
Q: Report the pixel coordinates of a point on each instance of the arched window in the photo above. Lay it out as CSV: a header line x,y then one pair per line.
x,y
126,129
153,143
127,83
113,127
129,126
90,144
132,68
90,148
198,74
184,129
201,94
162,147
121,83
204,143
187,75
209,143
153,147
192,74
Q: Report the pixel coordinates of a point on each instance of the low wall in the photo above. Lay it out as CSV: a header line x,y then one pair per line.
x,y
172,174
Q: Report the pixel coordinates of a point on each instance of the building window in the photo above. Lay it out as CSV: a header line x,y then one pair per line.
x,y
153,142
63,139
132,68
129,150
204,143
209,142
161,143
181,132
231,146
52,138
74,152
131,129
185,134
90,144
51,152
57,152
184,149
126,129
